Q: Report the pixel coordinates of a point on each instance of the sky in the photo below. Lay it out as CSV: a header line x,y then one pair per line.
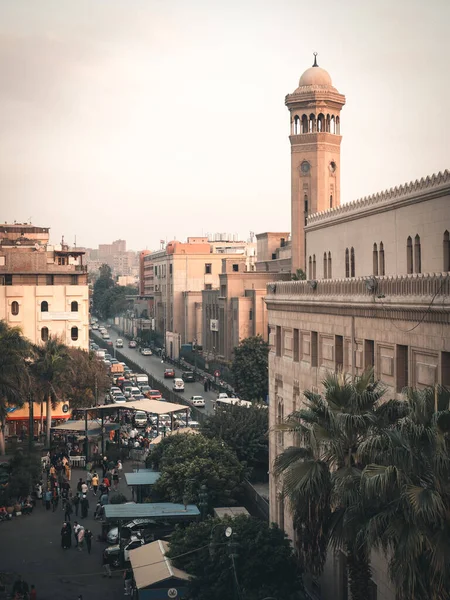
x,y
158,119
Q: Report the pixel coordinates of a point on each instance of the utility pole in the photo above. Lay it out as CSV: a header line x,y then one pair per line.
x,y
96,390
30,422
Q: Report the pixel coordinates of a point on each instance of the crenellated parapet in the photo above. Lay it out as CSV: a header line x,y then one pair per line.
x,y
402,193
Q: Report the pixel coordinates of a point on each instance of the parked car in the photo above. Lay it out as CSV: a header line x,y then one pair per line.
x,y
119,343
188,376
197,401
111,554
169,373
132,344
178,385
146,352
147,528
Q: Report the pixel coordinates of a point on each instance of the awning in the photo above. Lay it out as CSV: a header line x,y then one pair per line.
x,y
142,478
93,427
152,509
155,407
184,430
150,565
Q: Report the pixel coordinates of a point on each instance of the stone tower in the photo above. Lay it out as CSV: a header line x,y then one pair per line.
x,y
315,122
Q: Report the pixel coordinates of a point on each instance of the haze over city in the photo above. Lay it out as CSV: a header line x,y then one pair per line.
x,y
150,120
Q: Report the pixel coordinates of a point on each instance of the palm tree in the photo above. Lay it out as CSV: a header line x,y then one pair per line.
x,y
49,369
321,474
408,482
14,376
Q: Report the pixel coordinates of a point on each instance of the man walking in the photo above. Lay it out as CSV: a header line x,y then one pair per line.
x,y
80,539
95,483
84,507
67,511
88,538
48,499
76,530
76,503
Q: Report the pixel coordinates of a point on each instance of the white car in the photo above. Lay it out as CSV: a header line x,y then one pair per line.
x,y
178,385
146,352
197,401
222,396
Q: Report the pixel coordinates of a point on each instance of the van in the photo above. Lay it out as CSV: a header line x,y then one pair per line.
x,y
140,379
178,385
119,343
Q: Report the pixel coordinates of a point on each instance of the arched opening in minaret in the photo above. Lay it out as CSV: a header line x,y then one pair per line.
x,y
331,200
325,266
314,266
382,264
321,122
375,260
332,125
330,274
409,255
327,126
352,262
417,255
305,207
310,268
338,126
297,125
446,249
347,263
312,123
304,124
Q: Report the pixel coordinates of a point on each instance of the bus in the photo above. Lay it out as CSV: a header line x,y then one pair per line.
x,y
225,402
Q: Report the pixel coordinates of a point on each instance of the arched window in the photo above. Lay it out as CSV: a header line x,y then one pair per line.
x,y
44,306
305,205
310,268
330,273
325,266
331,200
44,334
280,419
375,260
74,306
347,263
338,126
352,262
321,122
312,123
409,255
296,130
417,255
74,333
381,269
304,124
314,266
327,126
14,308
333,125
446,251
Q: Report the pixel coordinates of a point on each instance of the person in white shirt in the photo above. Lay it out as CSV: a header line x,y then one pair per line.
x,y
84,488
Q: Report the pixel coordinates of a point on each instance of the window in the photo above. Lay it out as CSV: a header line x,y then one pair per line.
x,y
74,306
208,286
402,367
8,280
44,306
330,272
409,255
208,268
305,201
223,291
280,419
170,269
325,266
347,263
314,266
250,315
44,334
278,341
274,256
381,269
314,348
445,369
338,352
156,271
310,268
417,255
375,260
446,251
331,200
369,354
49,280
236,267
352,262
74,333
14,308
296,345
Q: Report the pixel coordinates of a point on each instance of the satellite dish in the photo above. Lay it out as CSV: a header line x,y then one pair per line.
x,y
228,532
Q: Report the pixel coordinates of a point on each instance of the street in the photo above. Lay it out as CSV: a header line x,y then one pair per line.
x,y
155,366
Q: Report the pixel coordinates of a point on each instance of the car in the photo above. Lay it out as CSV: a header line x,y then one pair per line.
x,y
188,376
111,554
147,528
114,361
146,352
145,388
140,418
197,401
137,397
154,395
132,344
222,396
105,335
119,399
107,363
119,343
135,390
169,373
178,385
109,343
95,326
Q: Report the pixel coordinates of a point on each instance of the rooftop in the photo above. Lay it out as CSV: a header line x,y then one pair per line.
x,y
152,509
150,565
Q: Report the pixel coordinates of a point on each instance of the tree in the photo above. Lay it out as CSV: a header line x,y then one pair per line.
x,y
257,561
86,380
50,372
299,275
407,481
250,368
14,380
322,474
187,462
243,429
110,299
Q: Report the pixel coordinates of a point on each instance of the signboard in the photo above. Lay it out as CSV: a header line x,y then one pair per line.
x,y
60,316
214,324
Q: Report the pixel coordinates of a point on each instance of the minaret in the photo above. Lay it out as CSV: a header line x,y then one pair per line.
x,y
315,121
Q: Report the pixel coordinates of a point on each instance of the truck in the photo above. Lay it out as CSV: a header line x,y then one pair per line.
x,y
116,368
140,379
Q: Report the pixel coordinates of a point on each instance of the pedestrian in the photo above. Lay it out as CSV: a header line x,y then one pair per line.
x,y
209,385
64,497
68,511
55,498
88,538
80,539
84,506
104,499
119,466
68,471
205,385
115,479
127,580
33,595
76,531
79,484
76,503
95,483
89,479
48,499
66,535
84,488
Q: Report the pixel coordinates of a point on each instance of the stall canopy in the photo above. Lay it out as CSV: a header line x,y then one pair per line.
x,y
184,430
151,566
93,427
142,478
155,407
151,509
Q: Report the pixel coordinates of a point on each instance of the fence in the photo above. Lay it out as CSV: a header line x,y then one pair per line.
x,y
257,502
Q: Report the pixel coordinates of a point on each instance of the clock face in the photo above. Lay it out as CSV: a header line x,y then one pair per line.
x,y
305,166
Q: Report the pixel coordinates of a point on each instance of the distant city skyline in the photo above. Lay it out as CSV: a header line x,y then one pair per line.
x,y
164,120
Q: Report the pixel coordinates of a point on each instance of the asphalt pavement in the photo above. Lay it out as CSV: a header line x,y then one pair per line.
x,y
155,366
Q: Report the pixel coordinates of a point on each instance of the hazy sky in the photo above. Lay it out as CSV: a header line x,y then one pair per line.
x,y
155,119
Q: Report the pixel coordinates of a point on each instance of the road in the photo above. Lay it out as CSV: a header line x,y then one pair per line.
x,y
155,366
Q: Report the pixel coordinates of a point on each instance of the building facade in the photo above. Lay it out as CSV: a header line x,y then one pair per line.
x,y
377,293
